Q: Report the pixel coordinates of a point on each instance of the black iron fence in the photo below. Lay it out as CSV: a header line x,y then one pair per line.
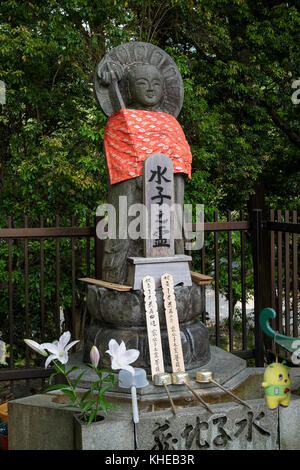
x,y
226,255
39,289
248,258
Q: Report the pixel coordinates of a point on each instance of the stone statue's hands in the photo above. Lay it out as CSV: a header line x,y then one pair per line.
x,y
110,72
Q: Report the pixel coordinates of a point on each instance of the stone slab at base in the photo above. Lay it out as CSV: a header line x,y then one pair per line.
x,y
39,423
230,427
177,265
224,365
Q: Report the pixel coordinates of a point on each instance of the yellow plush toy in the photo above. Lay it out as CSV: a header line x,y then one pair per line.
x,y
277,385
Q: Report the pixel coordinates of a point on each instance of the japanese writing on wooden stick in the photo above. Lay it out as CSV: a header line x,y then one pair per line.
x,y
153,327
172,323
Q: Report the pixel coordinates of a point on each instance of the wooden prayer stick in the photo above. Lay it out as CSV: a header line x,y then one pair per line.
x,y
179,376
159,376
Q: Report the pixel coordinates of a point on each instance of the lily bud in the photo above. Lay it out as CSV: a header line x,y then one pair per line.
x,y
36,347
94,356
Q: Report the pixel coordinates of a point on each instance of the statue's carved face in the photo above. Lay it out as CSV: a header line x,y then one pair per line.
x,y
146,87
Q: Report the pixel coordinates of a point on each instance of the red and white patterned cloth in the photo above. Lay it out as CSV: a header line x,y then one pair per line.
x,y
132,135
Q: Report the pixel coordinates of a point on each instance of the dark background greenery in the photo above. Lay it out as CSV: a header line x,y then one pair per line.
x,y
238,60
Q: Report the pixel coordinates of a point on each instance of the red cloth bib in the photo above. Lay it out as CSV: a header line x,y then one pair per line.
x,y
132,135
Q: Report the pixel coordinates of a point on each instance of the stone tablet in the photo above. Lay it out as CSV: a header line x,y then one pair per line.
x,y
159,200
231,427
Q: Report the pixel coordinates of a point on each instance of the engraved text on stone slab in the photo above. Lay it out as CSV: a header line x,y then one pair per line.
x,y
159,199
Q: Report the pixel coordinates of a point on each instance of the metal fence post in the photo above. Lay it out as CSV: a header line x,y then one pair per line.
x,y
257,233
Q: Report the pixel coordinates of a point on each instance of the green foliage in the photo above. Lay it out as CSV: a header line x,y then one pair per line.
x,y
238,61
51,303
88,406
237,329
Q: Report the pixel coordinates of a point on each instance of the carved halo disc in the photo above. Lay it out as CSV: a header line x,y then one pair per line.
x,y
122,58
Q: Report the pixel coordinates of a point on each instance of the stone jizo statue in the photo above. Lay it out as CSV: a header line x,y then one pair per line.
x,y
139,87
138,76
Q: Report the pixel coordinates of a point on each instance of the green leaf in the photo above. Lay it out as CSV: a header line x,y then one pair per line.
x,y
70,394
104,389
103,405
92,416
56,387
52,377
83,398
79,378
60,368
68,406
88,405
106,405
72,370
93,387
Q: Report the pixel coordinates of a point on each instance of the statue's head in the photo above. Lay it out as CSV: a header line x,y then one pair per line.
x,y
145,86
146,78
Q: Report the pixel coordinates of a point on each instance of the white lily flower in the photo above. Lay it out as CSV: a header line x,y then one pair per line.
x,y
36,347
95,356
120,358
59,349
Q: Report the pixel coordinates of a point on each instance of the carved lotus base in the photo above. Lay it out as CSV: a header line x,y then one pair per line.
x,y
121,315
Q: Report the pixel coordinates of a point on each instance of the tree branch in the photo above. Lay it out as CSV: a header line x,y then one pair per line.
x,y
282,124
198,48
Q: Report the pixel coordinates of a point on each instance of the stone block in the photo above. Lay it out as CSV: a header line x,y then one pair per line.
x,y
127,309
289,423
230,427
110,434
39,423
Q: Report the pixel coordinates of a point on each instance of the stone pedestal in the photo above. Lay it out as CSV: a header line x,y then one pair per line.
x,y
177,266
121,315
